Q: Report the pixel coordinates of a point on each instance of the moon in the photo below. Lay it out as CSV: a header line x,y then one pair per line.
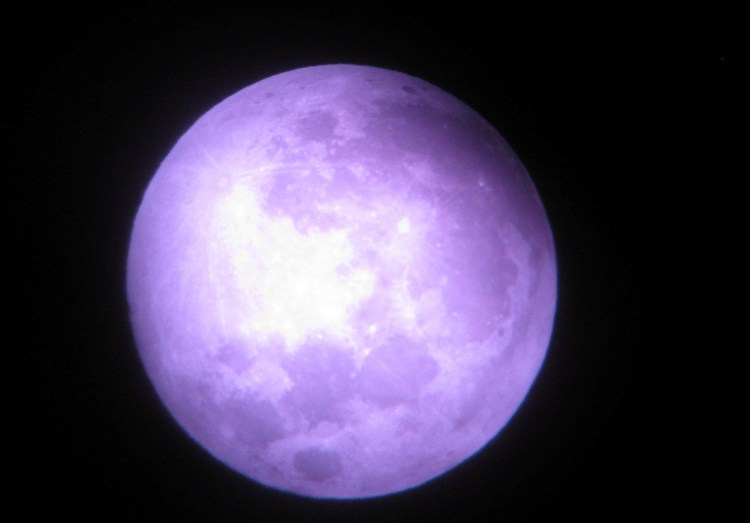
x,y
342,281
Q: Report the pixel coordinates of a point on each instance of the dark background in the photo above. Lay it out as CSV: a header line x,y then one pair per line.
x,y
624,128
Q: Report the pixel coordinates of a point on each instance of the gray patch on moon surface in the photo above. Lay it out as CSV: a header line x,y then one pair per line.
x,y
254,422
322,377
297,193
317,464
234,355
396,372
317,126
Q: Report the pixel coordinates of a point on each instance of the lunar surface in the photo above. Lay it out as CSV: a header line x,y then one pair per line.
x,y
342,281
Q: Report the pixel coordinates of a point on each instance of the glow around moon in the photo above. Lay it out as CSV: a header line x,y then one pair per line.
x,y
342,282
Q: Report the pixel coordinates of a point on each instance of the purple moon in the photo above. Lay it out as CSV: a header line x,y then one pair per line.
x,y
342,281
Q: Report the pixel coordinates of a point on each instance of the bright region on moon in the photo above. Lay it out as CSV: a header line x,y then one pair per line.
x,y
342,281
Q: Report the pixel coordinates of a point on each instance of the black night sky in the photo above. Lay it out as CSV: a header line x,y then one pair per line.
x,y
614,125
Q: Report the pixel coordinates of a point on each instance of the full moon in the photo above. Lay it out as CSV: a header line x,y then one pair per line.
x,y
342,281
